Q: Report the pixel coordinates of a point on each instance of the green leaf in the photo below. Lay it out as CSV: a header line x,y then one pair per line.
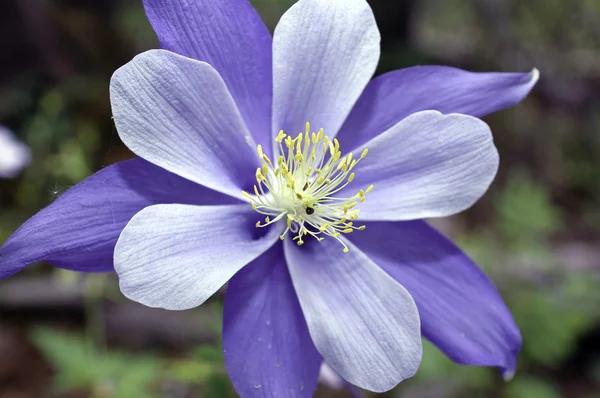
x,y
110,374
208,353
525,212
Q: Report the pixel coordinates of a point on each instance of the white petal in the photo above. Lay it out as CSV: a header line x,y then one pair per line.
x,y
428,165
364,324
177,113
324,54
176,256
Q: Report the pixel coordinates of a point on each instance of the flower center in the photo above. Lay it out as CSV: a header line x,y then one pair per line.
x,y
300,187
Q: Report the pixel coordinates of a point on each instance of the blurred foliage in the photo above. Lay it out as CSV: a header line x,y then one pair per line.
x,y
54,94
79,365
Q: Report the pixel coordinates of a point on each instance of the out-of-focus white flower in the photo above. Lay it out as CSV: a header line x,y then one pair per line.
x,y
329,378
14,155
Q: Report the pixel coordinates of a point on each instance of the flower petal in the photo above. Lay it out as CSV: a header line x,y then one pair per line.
x,y
268,350
80,229
393,96
324,54
461,311
363,322
428,165
176,256
177,113
231,37
14,155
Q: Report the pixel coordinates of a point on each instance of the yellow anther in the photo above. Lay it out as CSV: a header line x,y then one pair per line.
x,y
346,250
369,189
362,199
331,149
302,188
280,136
364,153
362,227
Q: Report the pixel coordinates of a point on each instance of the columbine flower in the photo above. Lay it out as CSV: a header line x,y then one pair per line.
x,y
347,195
14,155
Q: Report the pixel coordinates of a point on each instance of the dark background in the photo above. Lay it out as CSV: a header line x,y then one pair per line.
x,y
536,232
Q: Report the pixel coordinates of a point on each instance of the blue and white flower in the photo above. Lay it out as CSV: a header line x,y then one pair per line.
x,y
276,164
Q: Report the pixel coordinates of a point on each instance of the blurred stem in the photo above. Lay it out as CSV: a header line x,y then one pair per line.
x,y
94,316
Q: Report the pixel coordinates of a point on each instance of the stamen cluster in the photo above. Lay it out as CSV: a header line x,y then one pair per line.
x,y
301,185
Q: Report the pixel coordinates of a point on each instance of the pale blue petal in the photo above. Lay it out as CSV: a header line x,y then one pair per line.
x,y
364,323
176,256
324,54
176,112
428,165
